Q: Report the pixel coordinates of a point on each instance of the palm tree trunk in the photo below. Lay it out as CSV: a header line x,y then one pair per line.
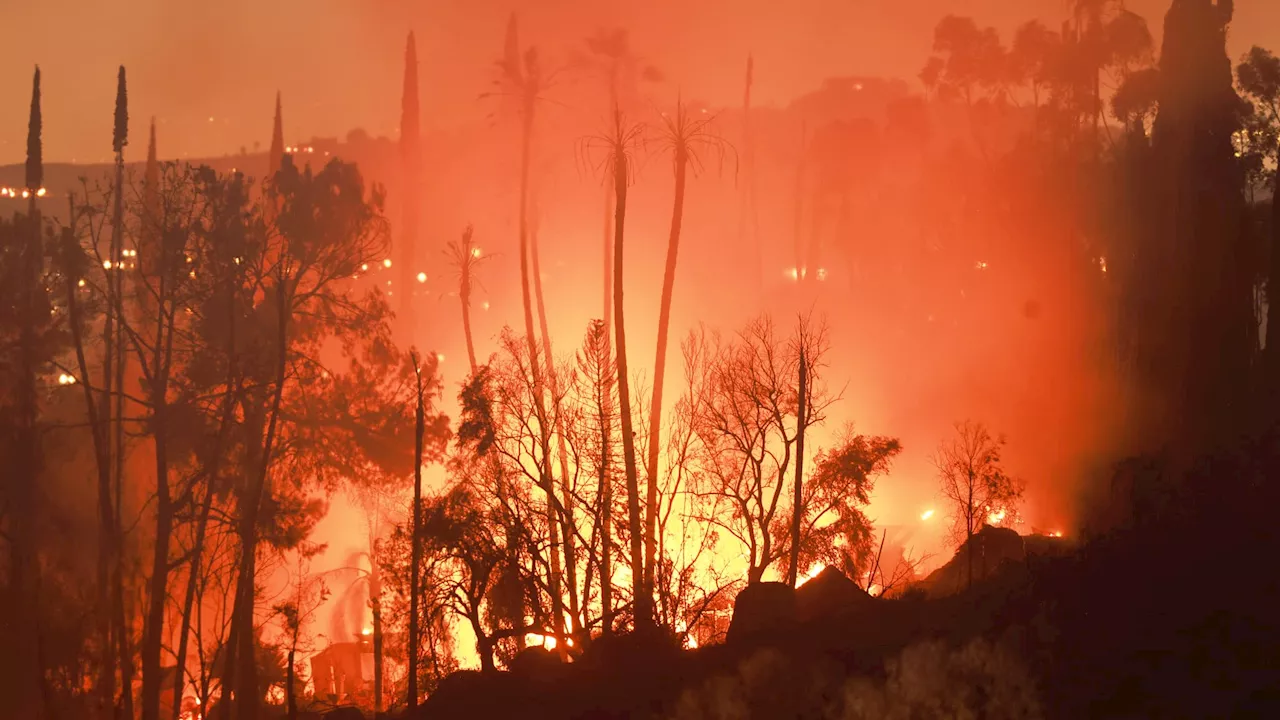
x,y
566,493
553,582
796,502
643,603
659,372
606,482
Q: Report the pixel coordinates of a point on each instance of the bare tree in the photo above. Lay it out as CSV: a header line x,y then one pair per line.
x,y
747,422
974,484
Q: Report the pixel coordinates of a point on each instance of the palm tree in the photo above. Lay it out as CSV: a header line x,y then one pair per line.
x,y
466,257
620,144
523,79
567,519
688,135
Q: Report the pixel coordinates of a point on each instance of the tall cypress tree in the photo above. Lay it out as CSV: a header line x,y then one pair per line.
x,y
115,382
410,148
35,150
25,567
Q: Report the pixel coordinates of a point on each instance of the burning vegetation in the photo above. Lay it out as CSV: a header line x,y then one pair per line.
x,y
238,487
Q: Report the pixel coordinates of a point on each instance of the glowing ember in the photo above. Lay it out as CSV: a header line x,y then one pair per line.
x,y
791,273
386,263
364,267
475,252
422,277
926,515
980,265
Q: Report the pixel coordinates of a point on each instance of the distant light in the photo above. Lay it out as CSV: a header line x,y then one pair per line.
x,y
26,194
1056,533
857,86
927,514
210,118
475,252
366,631
386,263
364,267
485,304
792,273
106,264
81,283
980,265
40,192
388,282
422,277
65,379
439,357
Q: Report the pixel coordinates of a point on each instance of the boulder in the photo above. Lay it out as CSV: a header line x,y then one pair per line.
x,y
991,548
830,593
536,663
761,611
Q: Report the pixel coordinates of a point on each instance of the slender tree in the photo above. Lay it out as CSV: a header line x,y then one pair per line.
x,y
797,498
524,79
411,159
975,485
115,385
621,143
688,137
416,521
466,257
25,563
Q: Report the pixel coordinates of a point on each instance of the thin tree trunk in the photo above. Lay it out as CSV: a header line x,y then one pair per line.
x,y
1273,298
105,688
416,552
291,702
566,493
797,509
193,579
116,384
659,371
606,505
544,472
26,566
246,690
153,632
643,604
375,601
606,481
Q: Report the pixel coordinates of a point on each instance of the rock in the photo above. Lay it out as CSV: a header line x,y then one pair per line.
x,y
536,663
828,594
761,611
991,548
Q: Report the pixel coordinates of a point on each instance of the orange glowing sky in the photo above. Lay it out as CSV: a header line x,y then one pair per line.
x,y
338,61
